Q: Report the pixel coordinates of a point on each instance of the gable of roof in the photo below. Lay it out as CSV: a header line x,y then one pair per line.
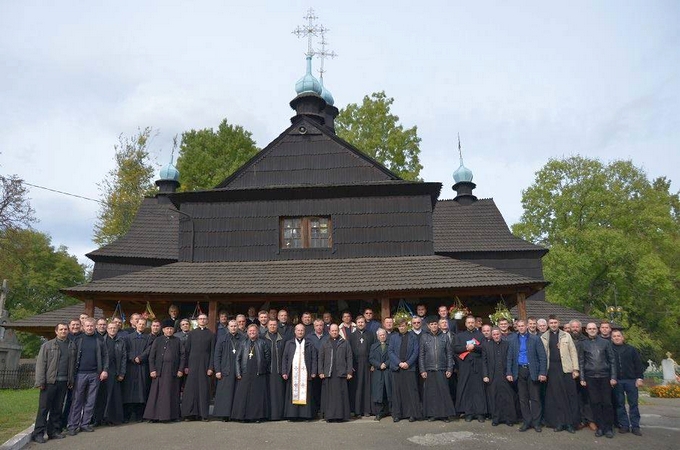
x,y
307,154
542,310
154,234
477,227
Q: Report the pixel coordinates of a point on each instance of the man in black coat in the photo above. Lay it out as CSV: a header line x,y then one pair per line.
x,y
403,351
226,350
136,382
298,369
381,376
335,369
470,394
277,384
360,386
435,363
630,374
199,349
501,396
317,338
252,367
109,406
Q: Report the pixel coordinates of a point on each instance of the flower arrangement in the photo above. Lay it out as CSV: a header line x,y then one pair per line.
x,y
403,312
502,312
667,391
148,315
458,310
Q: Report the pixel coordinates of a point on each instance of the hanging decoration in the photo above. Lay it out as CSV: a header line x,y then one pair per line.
x,y
502,312
194,316
458,311
118,312
405,312
148,315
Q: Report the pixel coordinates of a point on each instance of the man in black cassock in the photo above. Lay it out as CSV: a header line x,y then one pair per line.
x,y
501,397
317,338
435,362
252,366
335,369
299,368
136,381
381,376
166,365
470,395
360,385
585,412
199,348
403,351
109,405
277,385
226,350
561,410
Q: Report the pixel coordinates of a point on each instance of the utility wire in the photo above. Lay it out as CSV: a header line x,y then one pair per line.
x,y
63,193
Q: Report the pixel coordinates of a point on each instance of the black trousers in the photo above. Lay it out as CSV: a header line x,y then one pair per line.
x,y
50,406
600,395
529,392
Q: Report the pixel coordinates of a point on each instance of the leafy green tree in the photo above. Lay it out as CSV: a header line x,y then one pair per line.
x,y
614,238
374,130
207,156
35,271
125,186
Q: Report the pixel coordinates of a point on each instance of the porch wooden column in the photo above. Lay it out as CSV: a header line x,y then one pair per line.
x,y
522,305
212,315
89,307
384,308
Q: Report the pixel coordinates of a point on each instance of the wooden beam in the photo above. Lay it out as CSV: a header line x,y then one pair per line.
x,y
522,305
89,307
212,315
384,307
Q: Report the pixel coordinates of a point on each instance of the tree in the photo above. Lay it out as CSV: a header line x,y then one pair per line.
x,y
124,187
614,238
15,209
375,131
35,272
207,157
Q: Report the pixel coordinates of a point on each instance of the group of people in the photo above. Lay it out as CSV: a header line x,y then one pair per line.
x,y
259,367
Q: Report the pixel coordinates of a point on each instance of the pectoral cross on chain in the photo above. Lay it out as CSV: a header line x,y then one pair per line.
x,y
361,340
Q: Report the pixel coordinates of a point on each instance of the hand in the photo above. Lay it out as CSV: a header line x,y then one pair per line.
x,y
542,378
639,383
180,374
209,372
42,387
186,371
509,378
583,383
218,375
448,374
238,377
137,361
423,375
69,387
574,374
485,379
120,377
372,369
153,374
313,375
284,376
349,376
103,376
612,383
383,366
470,347
322,376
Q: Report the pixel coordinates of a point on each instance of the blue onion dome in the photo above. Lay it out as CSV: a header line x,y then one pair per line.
x,y
170,172
308,83
462,173
326,95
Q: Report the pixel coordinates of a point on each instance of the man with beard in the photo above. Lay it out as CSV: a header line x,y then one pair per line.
x,y
421,311
561,401
277,384
360,386
585,412
166,363
501,396
317,338
299,368
335,369
109,405
252,366
54,375
199,349
630,372
136,382
226,351
435,363
527,366
470,396
381,376
403,351
598,375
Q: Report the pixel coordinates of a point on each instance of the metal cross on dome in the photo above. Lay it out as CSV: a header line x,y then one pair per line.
x,y
323,52
309,30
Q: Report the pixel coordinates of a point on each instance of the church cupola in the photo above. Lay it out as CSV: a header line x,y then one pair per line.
x,y
308,84
463,181
169,178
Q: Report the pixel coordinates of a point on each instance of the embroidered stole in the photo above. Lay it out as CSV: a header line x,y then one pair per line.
x,y
299,375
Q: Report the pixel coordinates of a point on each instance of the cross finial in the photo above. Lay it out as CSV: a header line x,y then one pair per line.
x,y
460,151
323,52
308,30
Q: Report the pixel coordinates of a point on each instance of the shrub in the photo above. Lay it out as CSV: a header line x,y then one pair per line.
x,y
668,391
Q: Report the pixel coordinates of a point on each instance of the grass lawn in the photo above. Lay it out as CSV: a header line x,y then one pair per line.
x,y
17,411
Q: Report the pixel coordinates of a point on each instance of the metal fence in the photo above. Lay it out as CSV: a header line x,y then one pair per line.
x,y
21,378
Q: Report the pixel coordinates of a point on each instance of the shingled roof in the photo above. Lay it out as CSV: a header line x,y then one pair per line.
x,y
307,154
154,234
43,324
477,227
308,277
542,309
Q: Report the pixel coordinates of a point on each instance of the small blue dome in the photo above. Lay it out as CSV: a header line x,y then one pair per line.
x,y
170,172
308,83
326,95
462,173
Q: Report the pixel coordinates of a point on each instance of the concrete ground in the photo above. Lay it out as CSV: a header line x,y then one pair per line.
x,y
660,427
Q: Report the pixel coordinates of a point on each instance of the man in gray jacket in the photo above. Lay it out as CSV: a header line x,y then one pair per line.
x,y
54,371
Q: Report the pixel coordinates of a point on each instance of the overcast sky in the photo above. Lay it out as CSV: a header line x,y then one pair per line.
x,y
522,82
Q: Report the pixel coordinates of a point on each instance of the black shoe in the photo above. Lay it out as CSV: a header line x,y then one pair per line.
x,y
538,429
524,428
431,419
570,429
481,419
72,431
558,428
623,430
39,438
599,433
494,424
56,436
377,418
468,418
446,420
87,428
411,419
609,434
510,424
637,432
395,419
